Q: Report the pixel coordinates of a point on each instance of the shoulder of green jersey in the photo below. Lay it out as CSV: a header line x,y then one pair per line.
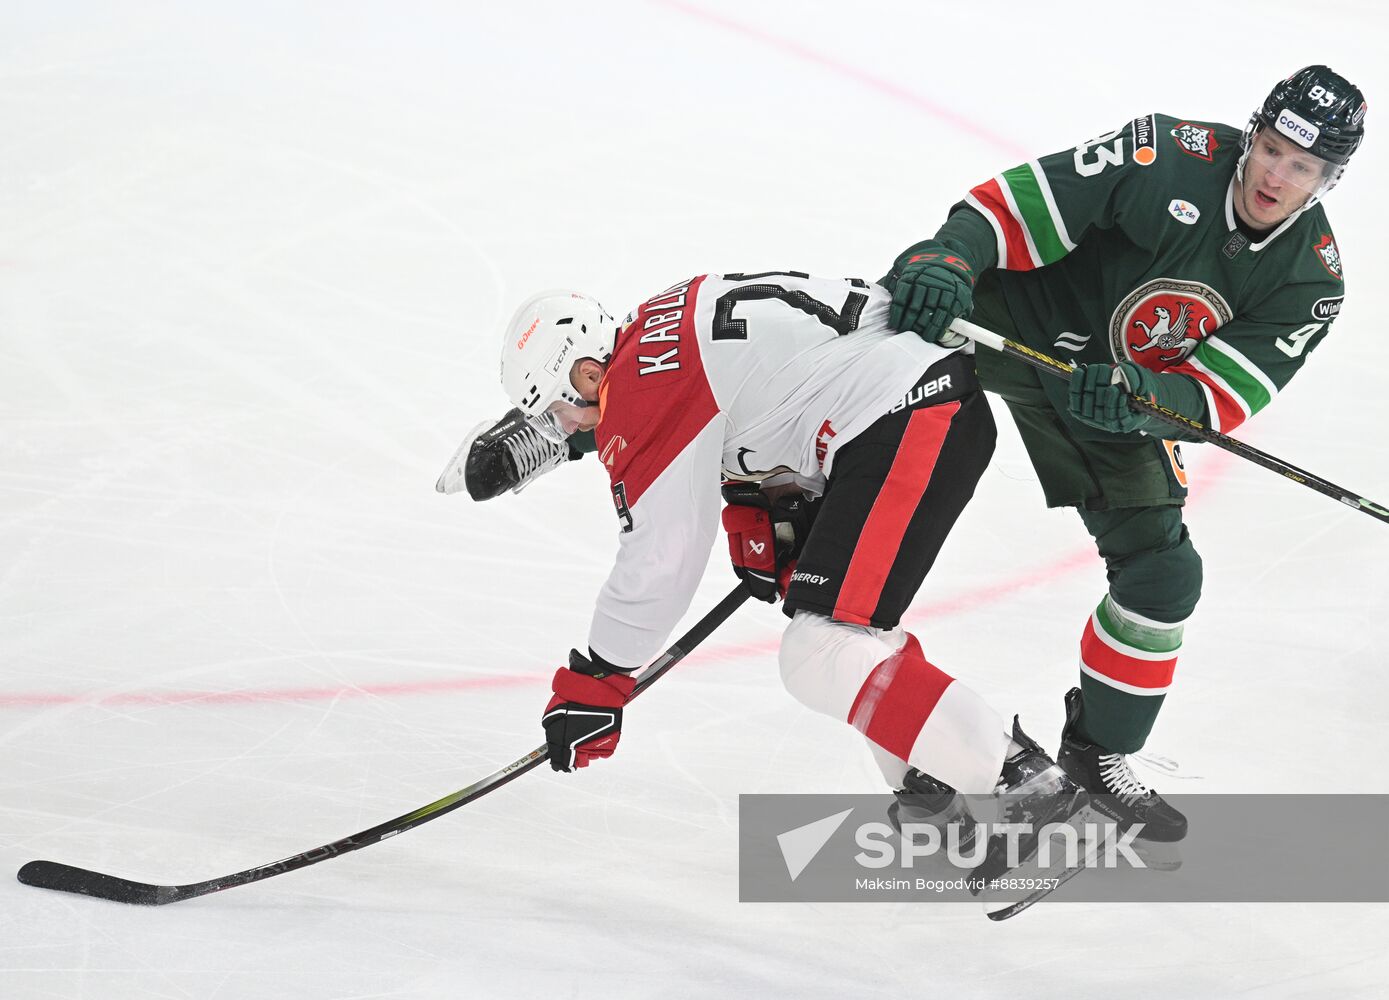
x,y
1195,141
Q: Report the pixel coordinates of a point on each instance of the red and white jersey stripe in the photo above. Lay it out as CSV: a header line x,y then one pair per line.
x,y
729,376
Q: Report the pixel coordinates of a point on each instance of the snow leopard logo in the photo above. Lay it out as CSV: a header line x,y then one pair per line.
x,y
1330,256
1197,140
1160,324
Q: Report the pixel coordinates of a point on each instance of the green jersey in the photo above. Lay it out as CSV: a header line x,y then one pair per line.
x,y
1127,248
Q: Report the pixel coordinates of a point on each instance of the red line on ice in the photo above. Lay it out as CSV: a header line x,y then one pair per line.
x,y
959,603
960,122
271,694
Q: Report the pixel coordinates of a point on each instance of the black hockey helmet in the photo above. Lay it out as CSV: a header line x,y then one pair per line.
x,y
1316,108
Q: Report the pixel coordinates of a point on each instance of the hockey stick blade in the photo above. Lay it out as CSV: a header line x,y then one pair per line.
x,y
66,878
84,882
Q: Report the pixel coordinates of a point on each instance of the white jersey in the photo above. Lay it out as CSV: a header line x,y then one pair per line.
x,y
758,377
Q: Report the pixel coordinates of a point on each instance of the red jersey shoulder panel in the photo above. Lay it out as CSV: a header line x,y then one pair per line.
x,y
655,397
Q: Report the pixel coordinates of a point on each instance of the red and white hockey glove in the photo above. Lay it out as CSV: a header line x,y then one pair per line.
x,y
583,721
765,538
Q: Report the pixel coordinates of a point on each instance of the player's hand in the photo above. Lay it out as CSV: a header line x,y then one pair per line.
x,y
1099,396
752,547
583,721
765,537
931,285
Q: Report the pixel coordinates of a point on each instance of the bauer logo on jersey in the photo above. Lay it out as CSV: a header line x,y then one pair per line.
x,y
1330,256
1145,141
916,395
1184,211
1197,140
1159,324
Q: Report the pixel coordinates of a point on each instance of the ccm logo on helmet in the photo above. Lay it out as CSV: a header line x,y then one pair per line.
x,y
520,344
1297,128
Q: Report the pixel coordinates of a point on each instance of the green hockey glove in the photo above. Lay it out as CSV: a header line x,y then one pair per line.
x,y
1099,397
931,285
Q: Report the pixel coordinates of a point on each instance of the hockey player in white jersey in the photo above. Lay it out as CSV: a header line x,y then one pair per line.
x,y
846,454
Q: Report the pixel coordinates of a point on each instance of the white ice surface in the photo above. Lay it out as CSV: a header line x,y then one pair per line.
x,y
253,262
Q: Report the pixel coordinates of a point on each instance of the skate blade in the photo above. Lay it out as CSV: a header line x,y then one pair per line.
x,y
1036,881
1158,856
452,479
1002,910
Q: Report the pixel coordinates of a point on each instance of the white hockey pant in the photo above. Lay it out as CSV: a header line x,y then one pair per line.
x,y
911,712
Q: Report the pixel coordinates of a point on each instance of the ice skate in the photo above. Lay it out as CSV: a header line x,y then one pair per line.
x,y
923,800
1117,794
1035,791
508,454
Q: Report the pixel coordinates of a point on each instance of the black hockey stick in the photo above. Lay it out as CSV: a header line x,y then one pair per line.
x,y
1063,370
66,878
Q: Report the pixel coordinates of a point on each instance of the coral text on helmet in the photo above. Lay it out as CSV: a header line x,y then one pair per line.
x,y
664,314
520,344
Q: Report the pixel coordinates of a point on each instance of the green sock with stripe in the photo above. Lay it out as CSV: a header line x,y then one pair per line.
x,y
1126,667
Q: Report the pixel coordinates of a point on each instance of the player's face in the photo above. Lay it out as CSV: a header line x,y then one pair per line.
x,y
1279,177
562,418
571,419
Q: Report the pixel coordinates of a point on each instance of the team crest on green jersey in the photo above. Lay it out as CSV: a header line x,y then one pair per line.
x,y
1330,256
1160,323
1197,140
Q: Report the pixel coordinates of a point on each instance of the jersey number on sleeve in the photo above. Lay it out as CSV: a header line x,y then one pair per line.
x,y
841,322
1294,343
1106,154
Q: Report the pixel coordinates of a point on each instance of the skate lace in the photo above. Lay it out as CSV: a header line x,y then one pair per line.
x,y
534,455
1119,778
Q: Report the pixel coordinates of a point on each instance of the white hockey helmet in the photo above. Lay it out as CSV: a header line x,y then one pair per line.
x,y
548,333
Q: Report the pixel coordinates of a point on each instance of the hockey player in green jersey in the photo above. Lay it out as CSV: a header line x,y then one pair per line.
x,y
1174,258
